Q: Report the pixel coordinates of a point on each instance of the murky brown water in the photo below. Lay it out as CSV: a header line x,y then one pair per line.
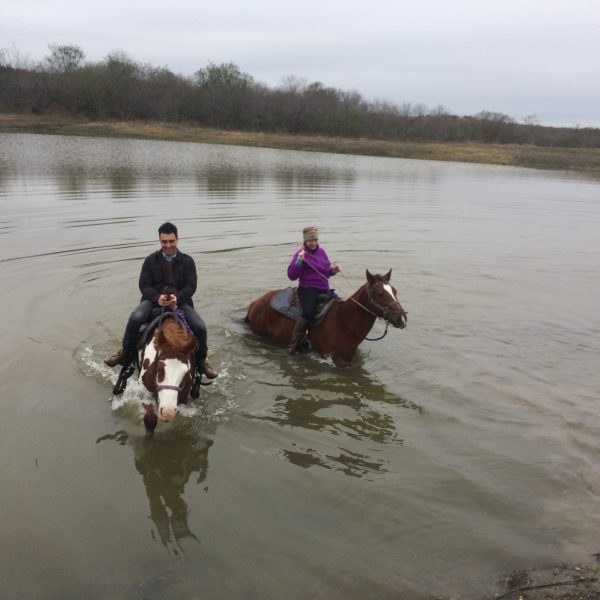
x,y
453,452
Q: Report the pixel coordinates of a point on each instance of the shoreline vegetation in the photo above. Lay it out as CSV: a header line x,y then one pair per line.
x,y
586,160
220,104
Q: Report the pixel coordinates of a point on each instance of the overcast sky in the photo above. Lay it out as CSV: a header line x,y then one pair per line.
x,y
517,57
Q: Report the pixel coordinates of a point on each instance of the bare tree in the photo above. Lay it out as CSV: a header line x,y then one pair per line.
x,y
64,58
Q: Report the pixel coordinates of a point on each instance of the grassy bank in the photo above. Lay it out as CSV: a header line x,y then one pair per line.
x,y
579,159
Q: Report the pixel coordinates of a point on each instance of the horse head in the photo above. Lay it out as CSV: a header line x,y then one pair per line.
x,y
384,301
166,367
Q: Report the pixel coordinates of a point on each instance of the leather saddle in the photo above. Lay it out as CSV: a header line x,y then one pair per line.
x,y
287,303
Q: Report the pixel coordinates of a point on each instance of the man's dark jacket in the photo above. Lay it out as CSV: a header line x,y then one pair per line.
x,y
152,277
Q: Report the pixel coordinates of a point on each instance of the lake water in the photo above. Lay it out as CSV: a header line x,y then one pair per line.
x,y
452,453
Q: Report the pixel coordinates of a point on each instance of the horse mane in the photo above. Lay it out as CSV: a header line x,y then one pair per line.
x,y
362,289
173,338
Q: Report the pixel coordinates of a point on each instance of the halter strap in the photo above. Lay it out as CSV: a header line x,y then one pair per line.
x,y
168,387
385,309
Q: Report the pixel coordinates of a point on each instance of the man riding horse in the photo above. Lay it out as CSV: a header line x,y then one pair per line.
x,y
164,271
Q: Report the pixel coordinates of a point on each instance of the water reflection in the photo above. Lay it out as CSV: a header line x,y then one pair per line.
x,y
6,227
289,180
229,179
346,405
81,164
122,181
166,462
4,174
72,180
224,179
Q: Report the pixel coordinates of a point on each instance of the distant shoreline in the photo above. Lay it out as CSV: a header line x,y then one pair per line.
x,y
585,160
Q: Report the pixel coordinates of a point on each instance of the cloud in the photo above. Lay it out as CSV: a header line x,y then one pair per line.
x,y
535,56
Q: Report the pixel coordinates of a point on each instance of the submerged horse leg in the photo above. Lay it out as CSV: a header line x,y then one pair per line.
x,y
150,418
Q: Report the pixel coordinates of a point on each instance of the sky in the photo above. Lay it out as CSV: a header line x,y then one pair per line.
x,y
535,60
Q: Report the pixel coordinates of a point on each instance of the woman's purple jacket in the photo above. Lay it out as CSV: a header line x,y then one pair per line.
x,y
308,277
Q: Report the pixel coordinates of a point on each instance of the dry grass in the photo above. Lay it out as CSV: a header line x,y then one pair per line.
x,y
578,159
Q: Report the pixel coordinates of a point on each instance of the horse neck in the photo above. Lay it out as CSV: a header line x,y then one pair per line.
x,y
357,319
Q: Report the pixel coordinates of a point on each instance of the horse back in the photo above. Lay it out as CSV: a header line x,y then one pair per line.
x,y
263,319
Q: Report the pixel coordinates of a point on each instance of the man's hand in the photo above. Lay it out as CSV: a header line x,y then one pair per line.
x,y
167,300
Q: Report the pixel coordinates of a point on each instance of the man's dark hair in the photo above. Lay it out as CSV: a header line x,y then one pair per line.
x,y
168,228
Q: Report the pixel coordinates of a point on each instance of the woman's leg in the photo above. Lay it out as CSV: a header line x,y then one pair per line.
x,y
308,300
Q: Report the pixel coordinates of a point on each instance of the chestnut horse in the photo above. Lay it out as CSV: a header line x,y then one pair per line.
x,y
346,324
167,369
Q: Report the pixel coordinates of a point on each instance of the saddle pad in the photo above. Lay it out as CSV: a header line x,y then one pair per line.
x,y
287,303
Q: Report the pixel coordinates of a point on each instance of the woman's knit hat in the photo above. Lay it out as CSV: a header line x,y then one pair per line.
x,y
310,233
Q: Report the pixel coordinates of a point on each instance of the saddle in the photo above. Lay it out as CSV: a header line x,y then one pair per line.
x,y
287,303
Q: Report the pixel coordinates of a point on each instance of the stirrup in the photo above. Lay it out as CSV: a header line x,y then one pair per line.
x,y
196,383
126,372
197,380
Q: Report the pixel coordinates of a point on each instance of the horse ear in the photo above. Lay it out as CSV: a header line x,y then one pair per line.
x,y
370,278
388,275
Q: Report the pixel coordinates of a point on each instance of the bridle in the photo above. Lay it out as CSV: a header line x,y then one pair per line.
x,y
383,309
160,387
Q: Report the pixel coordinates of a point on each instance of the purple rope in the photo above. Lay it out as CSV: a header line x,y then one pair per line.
x,y
181,316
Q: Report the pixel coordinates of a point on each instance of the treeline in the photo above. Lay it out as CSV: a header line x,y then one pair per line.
x,y
222,96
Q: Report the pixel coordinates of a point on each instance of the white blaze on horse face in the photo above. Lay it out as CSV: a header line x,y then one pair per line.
x,y
175,370
398,318
388,288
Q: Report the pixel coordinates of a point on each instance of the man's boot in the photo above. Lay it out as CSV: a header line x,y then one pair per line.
x,y
297,334
203,367
120,358
207,369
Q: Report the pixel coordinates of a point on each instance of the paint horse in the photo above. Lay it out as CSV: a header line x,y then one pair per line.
x,y
346,324
167,366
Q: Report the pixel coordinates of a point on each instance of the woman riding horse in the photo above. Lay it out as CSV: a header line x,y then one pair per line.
x,y
346,324
310,264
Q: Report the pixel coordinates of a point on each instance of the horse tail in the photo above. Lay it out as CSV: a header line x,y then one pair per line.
x,y
247,317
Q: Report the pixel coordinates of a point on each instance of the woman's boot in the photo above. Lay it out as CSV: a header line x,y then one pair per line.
x,y
297,335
